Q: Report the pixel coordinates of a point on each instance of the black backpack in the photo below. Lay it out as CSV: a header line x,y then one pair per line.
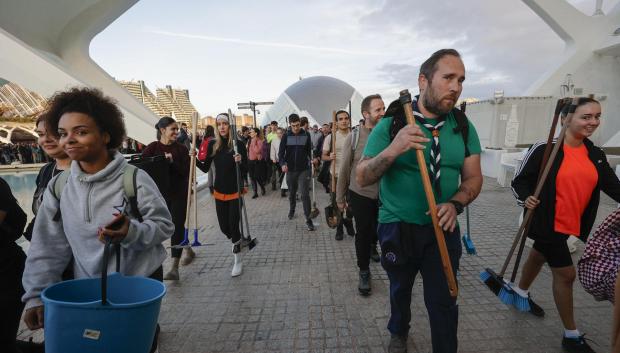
x,y
395,110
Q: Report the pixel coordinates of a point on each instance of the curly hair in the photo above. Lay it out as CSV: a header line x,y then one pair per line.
x,y
89,101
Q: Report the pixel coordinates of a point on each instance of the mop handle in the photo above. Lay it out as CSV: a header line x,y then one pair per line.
x,y
334,131
543,177
554,123
232,135
405,100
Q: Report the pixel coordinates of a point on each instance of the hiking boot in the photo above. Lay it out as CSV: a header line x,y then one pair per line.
x,y
576,344
364,283
398,344
310,224
172,275
535,309
189,257
374,254
291,214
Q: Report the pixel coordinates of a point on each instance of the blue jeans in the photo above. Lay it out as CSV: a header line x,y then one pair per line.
x,y
419,253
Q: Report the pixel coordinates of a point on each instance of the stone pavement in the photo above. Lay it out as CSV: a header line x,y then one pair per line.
x,y
298,292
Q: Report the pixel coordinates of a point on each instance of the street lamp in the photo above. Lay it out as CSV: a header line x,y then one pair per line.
x,y
252,106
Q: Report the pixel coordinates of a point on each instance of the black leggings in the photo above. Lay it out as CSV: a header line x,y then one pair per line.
x,y
11,291
228,218
258,173
178,209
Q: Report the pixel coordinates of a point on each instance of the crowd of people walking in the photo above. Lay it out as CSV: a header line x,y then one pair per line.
x,y
398,181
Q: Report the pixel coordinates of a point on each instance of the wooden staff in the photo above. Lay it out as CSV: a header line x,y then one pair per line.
x,y
334,131
405,100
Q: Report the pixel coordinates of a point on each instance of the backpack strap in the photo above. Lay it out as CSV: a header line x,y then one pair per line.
x,y
130,174
59,185
462,126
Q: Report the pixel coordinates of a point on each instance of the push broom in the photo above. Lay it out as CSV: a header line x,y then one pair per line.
x,y
494,281
469,244
191,206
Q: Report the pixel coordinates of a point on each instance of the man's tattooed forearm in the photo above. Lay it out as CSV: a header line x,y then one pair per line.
x,y
373,169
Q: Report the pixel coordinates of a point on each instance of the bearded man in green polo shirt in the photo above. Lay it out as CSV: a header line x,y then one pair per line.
x,y
452,153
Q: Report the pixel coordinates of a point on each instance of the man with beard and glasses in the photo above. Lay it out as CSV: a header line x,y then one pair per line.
x,y
452,153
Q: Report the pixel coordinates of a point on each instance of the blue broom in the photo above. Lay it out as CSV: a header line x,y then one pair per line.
x,y
469,244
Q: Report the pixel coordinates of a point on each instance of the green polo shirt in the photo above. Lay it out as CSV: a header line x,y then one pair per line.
x,y
401,190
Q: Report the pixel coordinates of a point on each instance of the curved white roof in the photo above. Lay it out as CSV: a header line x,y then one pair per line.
x,y
315,97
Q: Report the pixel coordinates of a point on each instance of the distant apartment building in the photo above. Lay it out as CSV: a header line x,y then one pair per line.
x,y
18,102
167,101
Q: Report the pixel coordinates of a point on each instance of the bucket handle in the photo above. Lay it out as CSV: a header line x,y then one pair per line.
x,y
104,269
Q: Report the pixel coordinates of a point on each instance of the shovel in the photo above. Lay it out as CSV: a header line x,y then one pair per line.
x,y
314,212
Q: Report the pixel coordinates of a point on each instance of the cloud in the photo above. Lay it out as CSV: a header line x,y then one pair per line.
x,y
262,43
403,75
502,48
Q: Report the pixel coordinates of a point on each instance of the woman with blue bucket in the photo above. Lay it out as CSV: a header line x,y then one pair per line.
x,y
100,199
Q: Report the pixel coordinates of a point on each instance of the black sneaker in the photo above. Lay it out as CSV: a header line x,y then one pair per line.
x,y
374,254
364,284
350,229
398,344
576,344
535,309
310,224
339,235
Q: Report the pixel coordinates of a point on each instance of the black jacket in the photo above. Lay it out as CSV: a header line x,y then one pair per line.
x,y
295,151
524,184
225,167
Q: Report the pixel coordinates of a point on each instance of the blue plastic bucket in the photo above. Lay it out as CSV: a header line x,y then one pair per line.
x,y
76,320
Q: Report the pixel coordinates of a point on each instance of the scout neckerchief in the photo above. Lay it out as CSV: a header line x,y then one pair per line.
x,y
435,162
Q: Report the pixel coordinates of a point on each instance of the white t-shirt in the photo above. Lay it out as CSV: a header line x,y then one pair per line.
x,y
327,146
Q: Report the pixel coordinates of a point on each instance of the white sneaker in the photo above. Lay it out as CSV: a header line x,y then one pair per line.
x,y
237,267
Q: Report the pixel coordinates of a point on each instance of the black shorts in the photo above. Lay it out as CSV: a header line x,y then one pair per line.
x,y
556,253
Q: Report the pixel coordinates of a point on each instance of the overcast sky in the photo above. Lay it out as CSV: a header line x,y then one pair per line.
x,y
235,51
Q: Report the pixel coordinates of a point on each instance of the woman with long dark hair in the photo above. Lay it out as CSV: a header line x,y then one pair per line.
x,y
221,153
256,162
176,196
567,206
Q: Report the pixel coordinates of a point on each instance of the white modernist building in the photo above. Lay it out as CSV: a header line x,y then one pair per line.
x,y
44,47
590,66
315,97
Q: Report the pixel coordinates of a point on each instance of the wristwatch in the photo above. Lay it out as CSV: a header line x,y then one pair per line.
x,y
458,206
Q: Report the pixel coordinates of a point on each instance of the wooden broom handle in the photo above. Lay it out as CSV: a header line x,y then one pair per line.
x,y
333,149
405,100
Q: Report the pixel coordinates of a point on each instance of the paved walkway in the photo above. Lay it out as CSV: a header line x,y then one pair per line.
x,y
298,292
